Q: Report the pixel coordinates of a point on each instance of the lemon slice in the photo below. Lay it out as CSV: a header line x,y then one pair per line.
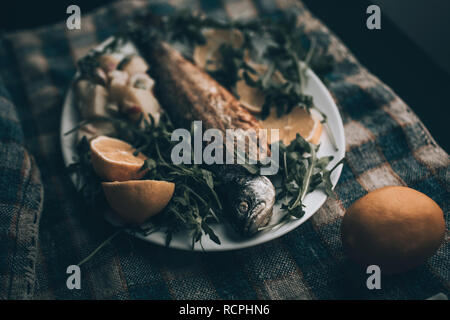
x,y
299,120
208,56
137,200
113,159
253,98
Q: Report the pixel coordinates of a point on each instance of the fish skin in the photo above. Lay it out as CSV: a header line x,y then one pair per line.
x,y
194,93
188,93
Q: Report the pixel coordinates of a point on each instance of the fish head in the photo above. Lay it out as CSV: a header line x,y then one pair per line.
x,y
251,204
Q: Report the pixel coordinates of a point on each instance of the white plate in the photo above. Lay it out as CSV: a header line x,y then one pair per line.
x,y
313,201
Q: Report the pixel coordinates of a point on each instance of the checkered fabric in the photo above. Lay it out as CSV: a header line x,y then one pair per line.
x,y
40,236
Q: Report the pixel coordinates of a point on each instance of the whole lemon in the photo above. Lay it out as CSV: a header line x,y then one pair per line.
x,y
396,228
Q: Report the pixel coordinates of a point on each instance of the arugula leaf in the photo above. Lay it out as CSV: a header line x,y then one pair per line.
x,y
301,172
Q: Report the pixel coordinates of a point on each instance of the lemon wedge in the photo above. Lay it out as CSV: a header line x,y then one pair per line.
x,y
113,159
136,201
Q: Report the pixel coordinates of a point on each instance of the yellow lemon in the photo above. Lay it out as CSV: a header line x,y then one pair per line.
x,y
253,98
396,228
299,120
113,159
208,56
137,200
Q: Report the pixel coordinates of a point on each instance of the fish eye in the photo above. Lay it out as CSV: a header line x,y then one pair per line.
x,y
243,206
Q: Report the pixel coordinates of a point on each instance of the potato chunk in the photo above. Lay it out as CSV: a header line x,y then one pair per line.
x,y
92,99
108,62
134,64
137,101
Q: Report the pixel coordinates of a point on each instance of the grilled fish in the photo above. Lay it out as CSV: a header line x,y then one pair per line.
x,y
188,94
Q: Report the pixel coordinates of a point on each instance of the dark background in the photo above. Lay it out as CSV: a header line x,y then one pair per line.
x,y
411,53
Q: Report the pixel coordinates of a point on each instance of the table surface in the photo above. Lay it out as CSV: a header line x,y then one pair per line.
x,y
386,144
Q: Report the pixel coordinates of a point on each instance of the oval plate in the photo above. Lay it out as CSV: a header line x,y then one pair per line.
x,y
313,201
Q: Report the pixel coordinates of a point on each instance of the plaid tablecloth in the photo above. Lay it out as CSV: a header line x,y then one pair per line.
x,y
45,227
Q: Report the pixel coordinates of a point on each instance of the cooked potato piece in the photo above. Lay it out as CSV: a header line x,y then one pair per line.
x,y
92,98
134,102
118,76
108,62
142,81
134,64
117,92
118,81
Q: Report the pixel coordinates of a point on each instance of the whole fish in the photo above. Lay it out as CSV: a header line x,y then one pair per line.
x,y
188,93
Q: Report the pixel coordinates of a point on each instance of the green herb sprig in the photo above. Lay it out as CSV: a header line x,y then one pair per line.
x,y
300,173
195,203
